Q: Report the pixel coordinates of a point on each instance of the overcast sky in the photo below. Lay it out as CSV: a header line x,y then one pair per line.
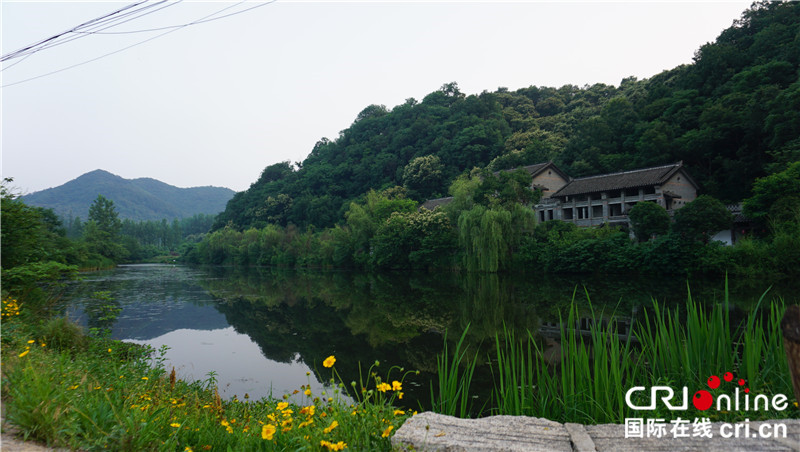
x,y
214,103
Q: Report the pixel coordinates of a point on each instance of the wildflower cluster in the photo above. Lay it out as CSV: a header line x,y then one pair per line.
x,y
142,404
10,308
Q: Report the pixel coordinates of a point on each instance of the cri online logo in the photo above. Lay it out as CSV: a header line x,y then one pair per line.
x,y
704,400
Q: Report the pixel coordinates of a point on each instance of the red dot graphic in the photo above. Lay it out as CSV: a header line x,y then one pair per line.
x,y
728,376
741,382
713,382
702,400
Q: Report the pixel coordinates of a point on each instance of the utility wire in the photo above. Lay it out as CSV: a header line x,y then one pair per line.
x,y
109,24
172,29
102,23
174,26
43,41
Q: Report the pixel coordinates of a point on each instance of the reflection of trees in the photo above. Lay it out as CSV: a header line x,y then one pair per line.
x,y
401,319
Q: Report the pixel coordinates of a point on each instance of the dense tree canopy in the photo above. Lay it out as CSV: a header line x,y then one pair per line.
x,y
732,116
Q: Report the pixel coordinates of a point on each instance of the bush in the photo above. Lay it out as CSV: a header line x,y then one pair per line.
x,y
63,334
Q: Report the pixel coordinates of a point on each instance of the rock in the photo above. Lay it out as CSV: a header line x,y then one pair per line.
x,y
435,432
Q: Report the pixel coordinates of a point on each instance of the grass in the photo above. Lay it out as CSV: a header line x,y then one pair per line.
x,y
672,347
65,389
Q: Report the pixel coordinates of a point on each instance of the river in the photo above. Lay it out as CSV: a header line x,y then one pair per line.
x,y
266,332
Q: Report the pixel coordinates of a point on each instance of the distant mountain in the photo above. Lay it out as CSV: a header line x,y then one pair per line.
x,y
136,199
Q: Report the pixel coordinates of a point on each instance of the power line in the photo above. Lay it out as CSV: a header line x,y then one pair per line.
x,y
172,29
44,41
174,26
110,23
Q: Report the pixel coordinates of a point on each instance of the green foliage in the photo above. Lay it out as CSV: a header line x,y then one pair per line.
x,y
702,218
731,116
423,177
648,219
101,232
61,334
452,396
420,239
775,197
30,275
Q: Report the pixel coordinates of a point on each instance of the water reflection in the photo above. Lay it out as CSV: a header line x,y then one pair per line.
x,y
262,330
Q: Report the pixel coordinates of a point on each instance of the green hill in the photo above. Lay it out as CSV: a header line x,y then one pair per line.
x,y
731,116
136,199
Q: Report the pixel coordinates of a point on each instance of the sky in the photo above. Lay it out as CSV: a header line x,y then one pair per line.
x,y
214,103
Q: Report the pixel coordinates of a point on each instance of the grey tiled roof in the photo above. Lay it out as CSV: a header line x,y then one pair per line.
x,y
617,181
434,203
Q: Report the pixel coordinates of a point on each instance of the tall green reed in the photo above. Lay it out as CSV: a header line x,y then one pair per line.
x,y
595,369
453,396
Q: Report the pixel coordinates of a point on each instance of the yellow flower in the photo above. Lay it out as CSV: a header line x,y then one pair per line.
x,y
24,353
386,432
145,378
333,425
224,423
397,386
307,392
308,410
399,412
267,431
400,395
188,449
383,387
175,424
333,446
329,361
282,406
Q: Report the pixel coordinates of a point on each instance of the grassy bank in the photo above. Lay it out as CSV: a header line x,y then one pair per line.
x,y
67,389
588,381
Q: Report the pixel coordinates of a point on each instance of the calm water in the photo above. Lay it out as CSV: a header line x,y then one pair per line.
x,y
262,331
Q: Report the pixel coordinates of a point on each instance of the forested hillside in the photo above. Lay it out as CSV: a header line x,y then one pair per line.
x,y
136,199
733,115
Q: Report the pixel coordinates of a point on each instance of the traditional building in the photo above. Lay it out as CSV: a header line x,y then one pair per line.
x,y
546,177
607,198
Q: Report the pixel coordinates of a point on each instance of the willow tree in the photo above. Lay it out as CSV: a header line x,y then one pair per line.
x,y
488,236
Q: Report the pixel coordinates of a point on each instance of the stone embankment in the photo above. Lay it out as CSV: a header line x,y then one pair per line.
x,y
435,432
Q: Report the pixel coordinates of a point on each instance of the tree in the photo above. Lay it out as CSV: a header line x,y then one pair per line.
x,y
702,218
648,219
423,176
104,214
22,230
768,191
101,232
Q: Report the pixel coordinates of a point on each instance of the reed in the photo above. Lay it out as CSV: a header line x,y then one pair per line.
x,y
453,396
675,347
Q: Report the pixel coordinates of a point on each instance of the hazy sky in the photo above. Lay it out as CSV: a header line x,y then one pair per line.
x,y
214,103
